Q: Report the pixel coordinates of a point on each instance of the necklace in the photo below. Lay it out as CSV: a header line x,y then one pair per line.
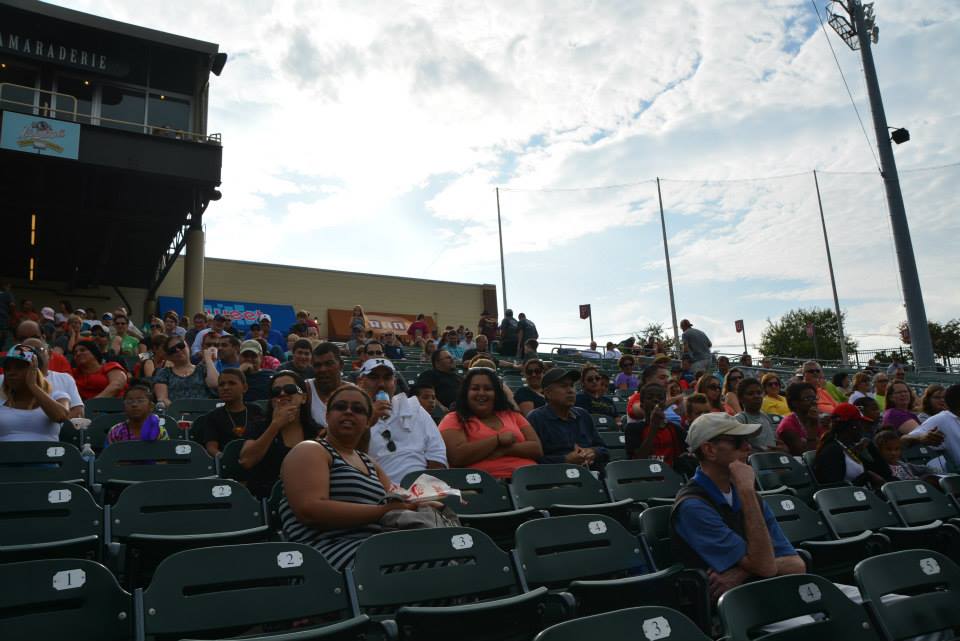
x,y
238,430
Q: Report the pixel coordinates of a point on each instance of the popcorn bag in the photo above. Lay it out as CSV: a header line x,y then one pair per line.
x,y
425,488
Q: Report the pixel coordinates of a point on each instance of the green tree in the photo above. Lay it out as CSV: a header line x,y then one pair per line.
x,y
788,336
944,336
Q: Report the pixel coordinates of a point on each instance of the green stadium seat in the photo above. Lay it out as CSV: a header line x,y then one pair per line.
x,y
190,408
154,519
259,587
653,622
130,462
603,422
441,583
48,520
919,503
93,407
487,507
616,444
777,469
918,454
22,461
229,462
604,567
951,487
655,530
806,529
852,510
748,609
565,489
63,600
932,582
644,480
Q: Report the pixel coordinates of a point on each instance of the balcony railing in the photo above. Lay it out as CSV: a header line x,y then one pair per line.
x,y
73,115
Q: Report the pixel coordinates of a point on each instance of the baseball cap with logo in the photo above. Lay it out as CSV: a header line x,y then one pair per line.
x,y
251,346
373,363
709,426
48,313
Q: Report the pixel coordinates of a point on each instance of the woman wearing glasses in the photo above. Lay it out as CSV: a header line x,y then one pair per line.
x,y
592,397
287,423
332,491
530,396
774,403
731,404
710,387
181,378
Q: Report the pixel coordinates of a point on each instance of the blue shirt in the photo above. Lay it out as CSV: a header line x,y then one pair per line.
x,y
558,436
703,529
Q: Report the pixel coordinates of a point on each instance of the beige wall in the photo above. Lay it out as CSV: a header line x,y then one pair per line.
x,y
318,289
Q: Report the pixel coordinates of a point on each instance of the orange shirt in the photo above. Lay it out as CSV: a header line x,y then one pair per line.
x,y
476,430
825,402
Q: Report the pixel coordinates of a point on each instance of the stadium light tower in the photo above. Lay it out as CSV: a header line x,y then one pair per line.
x,y
857,27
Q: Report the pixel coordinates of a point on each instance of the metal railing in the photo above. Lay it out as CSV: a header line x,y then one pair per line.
x,y
46,111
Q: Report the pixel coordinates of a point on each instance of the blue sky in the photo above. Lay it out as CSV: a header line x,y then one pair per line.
x,y
370,136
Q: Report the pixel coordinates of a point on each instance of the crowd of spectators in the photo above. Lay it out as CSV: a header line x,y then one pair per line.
x,y
339,424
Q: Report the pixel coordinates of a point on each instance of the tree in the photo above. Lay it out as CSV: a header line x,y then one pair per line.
x,y
788,336
945,337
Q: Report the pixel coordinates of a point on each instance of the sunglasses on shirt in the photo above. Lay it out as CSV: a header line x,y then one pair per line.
x,y
391,446
285,390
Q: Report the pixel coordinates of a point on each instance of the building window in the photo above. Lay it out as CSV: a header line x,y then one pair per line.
x,y
168,112
122,108
13,94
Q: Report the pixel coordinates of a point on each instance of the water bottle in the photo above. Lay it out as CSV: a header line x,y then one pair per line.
x,y
160,409
383,396
87,453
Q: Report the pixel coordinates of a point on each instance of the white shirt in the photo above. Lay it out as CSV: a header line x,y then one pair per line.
x,y
318,409
949,425
590,353
60,382
613,353
28,425
415,434
198,341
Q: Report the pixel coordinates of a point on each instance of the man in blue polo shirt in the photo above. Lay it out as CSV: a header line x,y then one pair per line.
x,y
566,432
718,522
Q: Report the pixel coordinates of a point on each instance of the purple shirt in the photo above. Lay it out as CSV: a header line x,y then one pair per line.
x,y
895,418
632,381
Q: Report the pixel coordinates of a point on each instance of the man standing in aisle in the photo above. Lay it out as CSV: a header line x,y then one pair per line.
x,y
697,344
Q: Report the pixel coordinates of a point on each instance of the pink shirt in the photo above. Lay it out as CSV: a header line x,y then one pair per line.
x,y
476,430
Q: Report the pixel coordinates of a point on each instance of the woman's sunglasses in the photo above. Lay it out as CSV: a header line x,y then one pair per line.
x,y
534,372
343,406
176,348
288,390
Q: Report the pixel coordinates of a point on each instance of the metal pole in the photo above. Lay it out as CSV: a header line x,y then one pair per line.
x,y
591,325
910,279
833,281
666,255
503,271
744,332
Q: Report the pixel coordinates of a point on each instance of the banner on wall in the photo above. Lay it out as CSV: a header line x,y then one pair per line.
x,y
242,314
36,135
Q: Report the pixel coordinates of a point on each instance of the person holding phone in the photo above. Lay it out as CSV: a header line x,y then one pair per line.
x,y
653,436
30,410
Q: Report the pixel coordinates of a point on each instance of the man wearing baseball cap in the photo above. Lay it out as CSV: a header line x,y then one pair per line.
x,y
258,379
403,437
566,432
217,327
718,522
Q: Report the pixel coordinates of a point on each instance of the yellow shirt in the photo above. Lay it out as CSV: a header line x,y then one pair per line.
x,y
776,405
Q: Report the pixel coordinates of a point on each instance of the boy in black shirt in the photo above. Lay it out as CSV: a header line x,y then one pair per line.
x,y
234,418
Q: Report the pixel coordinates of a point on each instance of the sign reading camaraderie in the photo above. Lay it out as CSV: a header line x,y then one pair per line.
x,y
61,54
36,135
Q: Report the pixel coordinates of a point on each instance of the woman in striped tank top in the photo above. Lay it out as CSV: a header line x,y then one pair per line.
x,y
332,490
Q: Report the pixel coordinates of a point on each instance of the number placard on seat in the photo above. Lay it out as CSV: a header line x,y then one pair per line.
x,y
656,628
292,559
788,505
69,579
461,541
656,468
920,488
62,495
56,452
860,496
573,473
221,491
929,566
810,592
473,479
183,448
597,527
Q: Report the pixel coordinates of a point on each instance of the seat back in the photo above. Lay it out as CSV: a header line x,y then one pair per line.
x,y
230,467
797,520
430,567
951,487
917,503
775,469
540,486
22,461
226,590
603,422
482,494
641,479
192,408
136,461
748,608
918,454
655,530
93,407
616,444
185,507
553,552
652,622
45,518
932,582
851,510
72,599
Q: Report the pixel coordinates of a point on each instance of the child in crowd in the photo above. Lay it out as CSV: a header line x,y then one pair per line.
x,y
427,396
888,443
141,423
869,408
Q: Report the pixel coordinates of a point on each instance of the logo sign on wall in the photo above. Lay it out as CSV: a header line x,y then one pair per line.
x,y
242,314
36,135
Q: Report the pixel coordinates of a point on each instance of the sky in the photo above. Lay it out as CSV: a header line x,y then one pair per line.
x,y
371,136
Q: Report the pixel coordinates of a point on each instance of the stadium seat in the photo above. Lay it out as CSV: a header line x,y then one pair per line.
x,y
441,583
190,408
130,462
919,503
918,454
41,461
93,407
653,622
603,422
565,489
655,530
806,529
951,487
228,463
852,510
645,480
932,582
63,600
747,610
48,520
487,508
616,444
153,519
776,469
233,589
604,567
